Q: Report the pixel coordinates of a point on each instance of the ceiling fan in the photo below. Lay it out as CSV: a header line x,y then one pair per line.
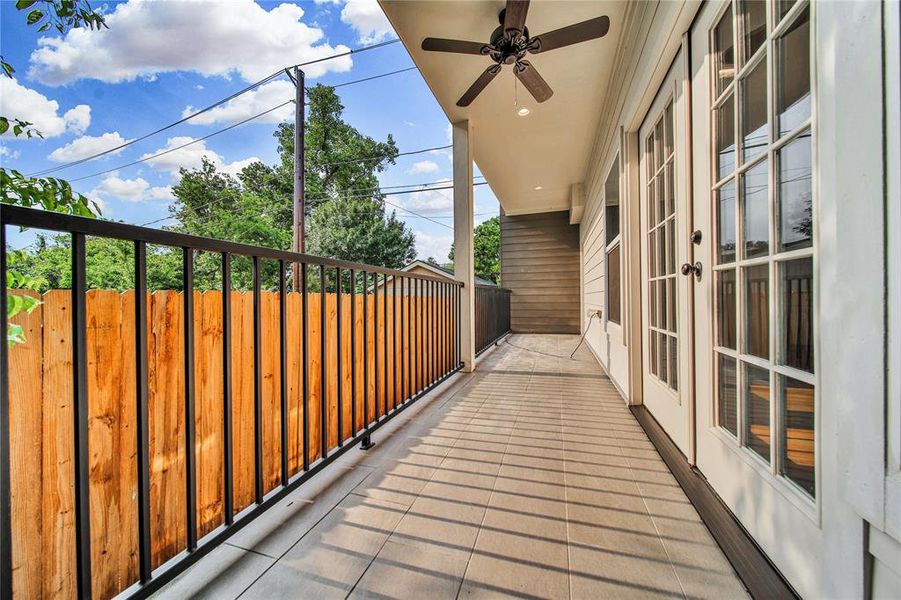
x,y
509,44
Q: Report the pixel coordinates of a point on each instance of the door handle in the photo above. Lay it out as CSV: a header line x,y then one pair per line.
x,y
688,269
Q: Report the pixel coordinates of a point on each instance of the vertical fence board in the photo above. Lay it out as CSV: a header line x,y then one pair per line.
x,y
26,448
331,367
295,389
314,370
208,340
242,399
270,373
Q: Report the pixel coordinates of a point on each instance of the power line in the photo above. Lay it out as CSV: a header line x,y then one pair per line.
x,y
186,118
346,83
167,151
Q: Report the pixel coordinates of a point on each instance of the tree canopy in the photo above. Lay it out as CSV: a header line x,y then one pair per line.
x,y
486,250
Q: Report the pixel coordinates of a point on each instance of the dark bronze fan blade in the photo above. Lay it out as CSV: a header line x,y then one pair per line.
x,y
533,81
515,14
571,34
476,88
456,46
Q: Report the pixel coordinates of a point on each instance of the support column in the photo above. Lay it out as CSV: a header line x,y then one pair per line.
x,y
463,240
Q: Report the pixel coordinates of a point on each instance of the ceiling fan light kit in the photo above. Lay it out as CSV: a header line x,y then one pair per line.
x,y
509,45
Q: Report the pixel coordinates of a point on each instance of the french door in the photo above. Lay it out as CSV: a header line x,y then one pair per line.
x,y
666,344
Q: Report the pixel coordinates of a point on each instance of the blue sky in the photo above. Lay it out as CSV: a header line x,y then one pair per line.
x,y
90,91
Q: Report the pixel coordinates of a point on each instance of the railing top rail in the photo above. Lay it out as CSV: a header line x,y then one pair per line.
x,y
42,219
485,286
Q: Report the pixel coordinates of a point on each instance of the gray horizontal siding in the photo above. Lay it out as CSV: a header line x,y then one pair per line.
x,y
540,264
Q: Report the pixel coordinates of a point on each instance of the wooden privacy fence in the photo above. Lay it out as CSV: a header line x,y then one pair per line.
x,y
417,349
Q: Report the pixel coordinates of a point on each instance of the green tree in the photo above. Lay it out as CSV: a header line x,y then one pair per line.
x,y
48,193
357,229
486,250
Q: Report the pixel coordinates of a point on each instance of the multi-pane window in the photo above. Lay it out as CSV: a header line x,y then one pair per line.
x,y
763,208
663,347
612,244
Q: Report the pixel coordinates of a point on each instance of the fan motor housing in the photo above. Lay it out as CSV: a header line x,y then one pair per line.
x,y
508,49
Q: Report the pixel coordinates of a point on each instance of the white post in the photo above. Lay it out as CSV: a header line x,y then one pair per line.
x,y
463,243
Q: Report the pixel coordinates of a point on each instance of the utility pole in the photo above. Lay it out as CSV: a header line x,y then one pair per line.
x,y
298,244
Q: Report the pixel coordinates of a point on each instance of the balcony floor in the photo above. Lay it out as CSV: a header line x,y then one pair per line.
x,y
528,478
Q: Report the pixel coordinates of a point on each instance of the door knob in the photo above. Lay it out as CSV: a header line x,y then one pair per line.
x,y
688,269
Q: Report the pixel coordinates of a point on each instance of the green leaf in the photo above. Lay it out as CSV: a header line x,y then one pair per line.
x,y
7,68
4,125
23,4
15,335
34,16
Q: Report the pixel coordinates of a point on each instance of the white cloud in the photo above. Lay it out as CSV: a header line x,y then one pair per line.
x,y
9,154
191,157
427,202
88,146
214,38
128,190
436,246
20,102
249,104
368,20
423,166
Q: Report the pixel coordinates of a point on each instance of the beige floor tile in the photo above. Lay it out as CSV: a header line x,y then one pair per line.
x,y
413,570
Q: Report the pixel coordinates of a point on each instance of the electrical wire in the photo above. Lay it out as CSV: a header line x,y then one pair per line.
x,y
186,118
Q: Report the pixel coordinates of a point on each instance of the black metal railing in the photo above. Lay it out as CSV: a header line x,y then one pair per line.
x,y
492,315
432,353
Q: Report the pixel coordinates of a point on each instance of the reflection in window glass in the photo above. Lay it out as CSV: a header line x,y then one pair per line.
x,y
671,307
661,304
753,14
753,112
755,210
783,6
652,253
725,138
798,458
757,402
652,303
795,195
661,347
725,204
724,52
611,203
673,361
757,310
797,313
652,354
727,406
725,308
613,286
793,76
668,137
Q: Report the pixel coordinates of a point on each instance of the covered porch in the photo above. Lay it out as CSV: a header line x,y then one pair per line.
x,y
529,477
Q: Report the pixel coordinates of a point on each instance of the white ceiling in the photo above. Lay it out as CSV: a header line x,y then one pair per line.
x,y
550,146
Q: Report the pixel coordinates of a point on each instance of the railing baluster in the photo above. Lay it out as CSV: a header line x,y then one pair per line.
x,y
353,352
339,309
305,335
142,413
433,330
395,370
385,339
375,344
366,442
283,364
227,429
190,413
404,330
257,384
323,363
6,545
420,358
80,416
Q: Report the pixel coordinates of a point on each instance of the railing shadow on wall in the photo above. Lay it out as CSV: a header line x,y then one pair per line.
x,y
140,429
492,315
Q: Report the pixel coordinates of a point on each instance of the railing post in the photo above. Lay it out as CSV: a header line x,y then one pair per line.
x,y
305,335
227,423
353,353
190,414
338,310
283,363
142,420
257,384
80,414
323,371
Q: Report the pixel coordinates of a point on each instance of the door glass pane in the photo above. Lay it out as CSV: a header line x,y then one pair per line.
x,y
652,253
658,138
798,459
755,210
661,348
662,245
795,195
793,75
757,401
796,283
753,14
724,117
724,52
671,305
725,211
668,138
727,406
652,204
674,362
661,304
757,311
652,354
725,308
783,6
613,292
671,249
652,303
671,188
753,112
661,197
